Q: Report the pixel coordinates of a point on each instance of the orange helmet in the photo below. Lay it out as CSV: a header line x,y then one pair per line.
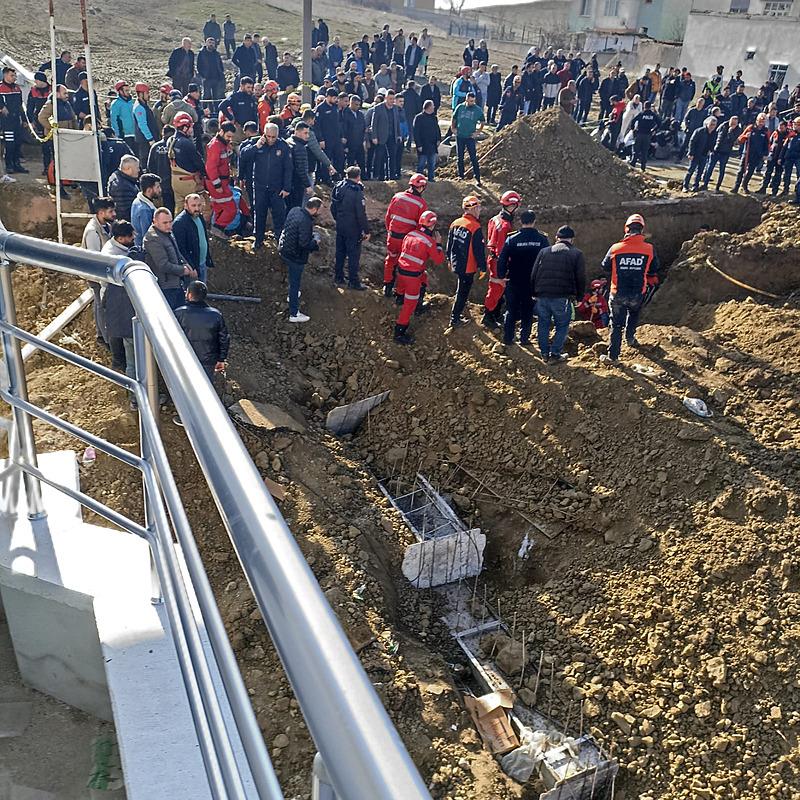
x,y
166,88
182,120
470,201
418,181
141,87
634,219
510,199
271,86
428,219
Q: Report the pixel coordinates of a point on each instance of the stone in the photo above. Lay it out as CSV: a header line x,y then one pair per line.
x,y
265,415
623,721
280,741
449,558
395,454
509,657
717,671
702,710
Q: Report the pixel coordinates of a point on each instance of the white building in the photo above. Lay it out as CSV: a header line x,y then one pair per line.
x,y
759,37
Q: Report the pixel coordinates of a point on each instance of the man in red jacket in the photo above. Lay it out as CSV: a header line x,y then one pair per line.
x,y
498,229
418,247
218,178
402,217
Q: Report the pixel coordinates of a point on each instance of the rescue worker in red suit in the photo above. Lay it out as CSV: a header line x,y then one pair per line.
x,y
402,217
268,104
497,231
218,178
418,247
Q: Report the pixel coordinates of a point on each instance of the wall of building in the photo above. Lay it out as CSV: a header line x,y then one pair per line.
x,y
595,18
713,39
665,20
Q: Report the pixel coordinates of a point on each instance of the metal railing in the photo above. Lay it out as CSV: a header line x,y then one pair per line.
x,y
361,756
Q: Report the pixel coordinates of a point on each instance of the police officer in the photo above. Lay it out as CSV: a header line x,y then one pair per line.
x,y
349,209
644,126
466,253
515,266
633,266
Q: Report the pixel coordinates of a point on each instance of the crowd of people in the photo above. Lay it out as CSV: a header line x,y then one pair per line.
x,y
239,134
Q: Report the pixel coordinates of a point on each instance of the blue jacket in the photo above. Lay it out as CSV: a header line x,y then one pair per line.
x,y
329,124
121,117
335,55
268,167
141,218
349,208
186,235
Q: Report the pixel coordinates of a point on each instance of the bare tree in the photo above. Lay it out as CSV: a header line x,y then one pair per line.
x,y
456,6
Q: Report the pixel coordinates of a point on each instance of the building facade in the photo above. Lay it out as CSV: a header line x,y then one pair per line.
x,y
759,37
617,24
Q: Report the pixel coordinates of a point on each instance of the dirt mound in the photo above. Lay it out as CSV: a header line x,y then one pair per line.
x,y
551,161
714,266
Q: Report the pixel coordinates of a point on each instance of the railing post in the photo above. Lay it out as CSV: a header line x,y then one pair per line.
x,y
321,788
146,376
18,386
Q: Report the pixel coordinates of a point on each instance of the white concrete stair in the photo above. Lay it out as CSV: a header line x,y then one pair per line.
x,y
77,599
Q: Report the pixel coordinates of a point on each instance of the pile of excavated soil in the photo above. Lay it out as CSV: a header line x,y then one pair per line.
x,y
551,161
762,262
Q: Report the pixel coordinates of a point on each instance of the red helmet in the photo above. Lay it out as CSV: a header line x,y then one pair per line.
x,y
142,87
428,219
182,120
634,219
271,86
465,71
166,88
510,199
600,283
418,181
119,84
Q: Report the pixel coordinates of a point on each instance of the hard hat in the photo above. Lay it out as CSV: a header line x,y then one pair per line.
x,y
271,86
142,87
182,120
634,219
470,201
165,87
598,284
418,181
428,219
510,199
119,84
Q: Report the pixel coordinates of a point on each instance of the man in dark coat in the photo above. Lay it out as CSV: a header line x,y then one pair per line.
x,y
229,35
427,136
191,235
181,66
298,240
349,209
205,329
354,126
493,94
211,30
301,178
245,60
431,91
123,186
158,163
211,71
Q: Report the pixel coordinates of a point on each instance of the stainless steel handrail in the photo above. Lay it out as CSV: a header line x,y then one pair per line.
x,y
361,749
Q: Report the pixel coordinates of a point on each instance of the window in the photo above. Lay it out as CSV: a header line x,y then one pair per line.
x,y
777,73
612,7
750,54
586,6
778,8
740,6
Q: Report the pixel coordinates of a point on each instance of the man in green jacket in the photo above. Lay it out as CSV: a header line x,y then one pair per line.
x,y
468,120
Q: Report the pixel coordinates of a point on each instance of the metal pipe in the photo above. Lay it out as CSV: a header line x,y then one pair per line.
x,y
87,52
321,788
18,387
252,740
233,298
56,156
365,757
60,322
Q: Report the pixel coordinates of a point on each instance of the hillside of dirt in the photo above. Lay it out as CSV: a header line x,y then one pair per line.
x,y
668,601
551,161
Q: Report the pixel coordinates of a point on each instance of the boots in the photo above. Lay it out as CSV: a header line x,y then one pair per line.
x,y
388,289
422,306
489,320
401,336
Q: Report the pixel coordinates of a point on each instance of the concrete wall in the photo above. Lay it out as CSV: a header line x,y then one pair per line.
x,y
665,20
713,39
596,19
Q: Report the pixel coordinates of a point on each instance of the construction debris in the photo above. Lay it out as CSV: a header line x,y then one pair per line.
x,y
345,419
265,415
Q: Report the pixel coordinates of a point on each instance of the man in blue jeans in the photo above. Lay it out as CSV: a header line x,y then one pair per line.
x,y
558,278
298,240
468,120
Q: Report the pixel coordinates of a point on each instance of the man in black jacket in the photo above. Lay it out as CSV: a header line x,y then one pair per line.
x,y
349,209
181,66
229,35
205,329
286,74
191,236
511,103
559,277
431,91
328,129
241,106
211,71
267,164
245,59
298,240
515,265
644,126
724,142
158,164
700,145
302,184
427,136
354,126
211,30
123,186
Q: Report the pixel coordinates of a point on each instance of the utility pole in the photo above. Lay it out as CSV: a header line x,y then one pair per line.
x,y
306,77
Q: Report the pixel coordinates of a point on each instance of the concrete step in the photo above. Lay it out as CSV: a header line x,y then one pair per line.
x,y
77,599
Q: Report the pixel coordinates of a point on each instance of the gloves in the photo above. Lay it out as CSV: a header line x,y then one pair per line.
x,y
652,280
481,276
